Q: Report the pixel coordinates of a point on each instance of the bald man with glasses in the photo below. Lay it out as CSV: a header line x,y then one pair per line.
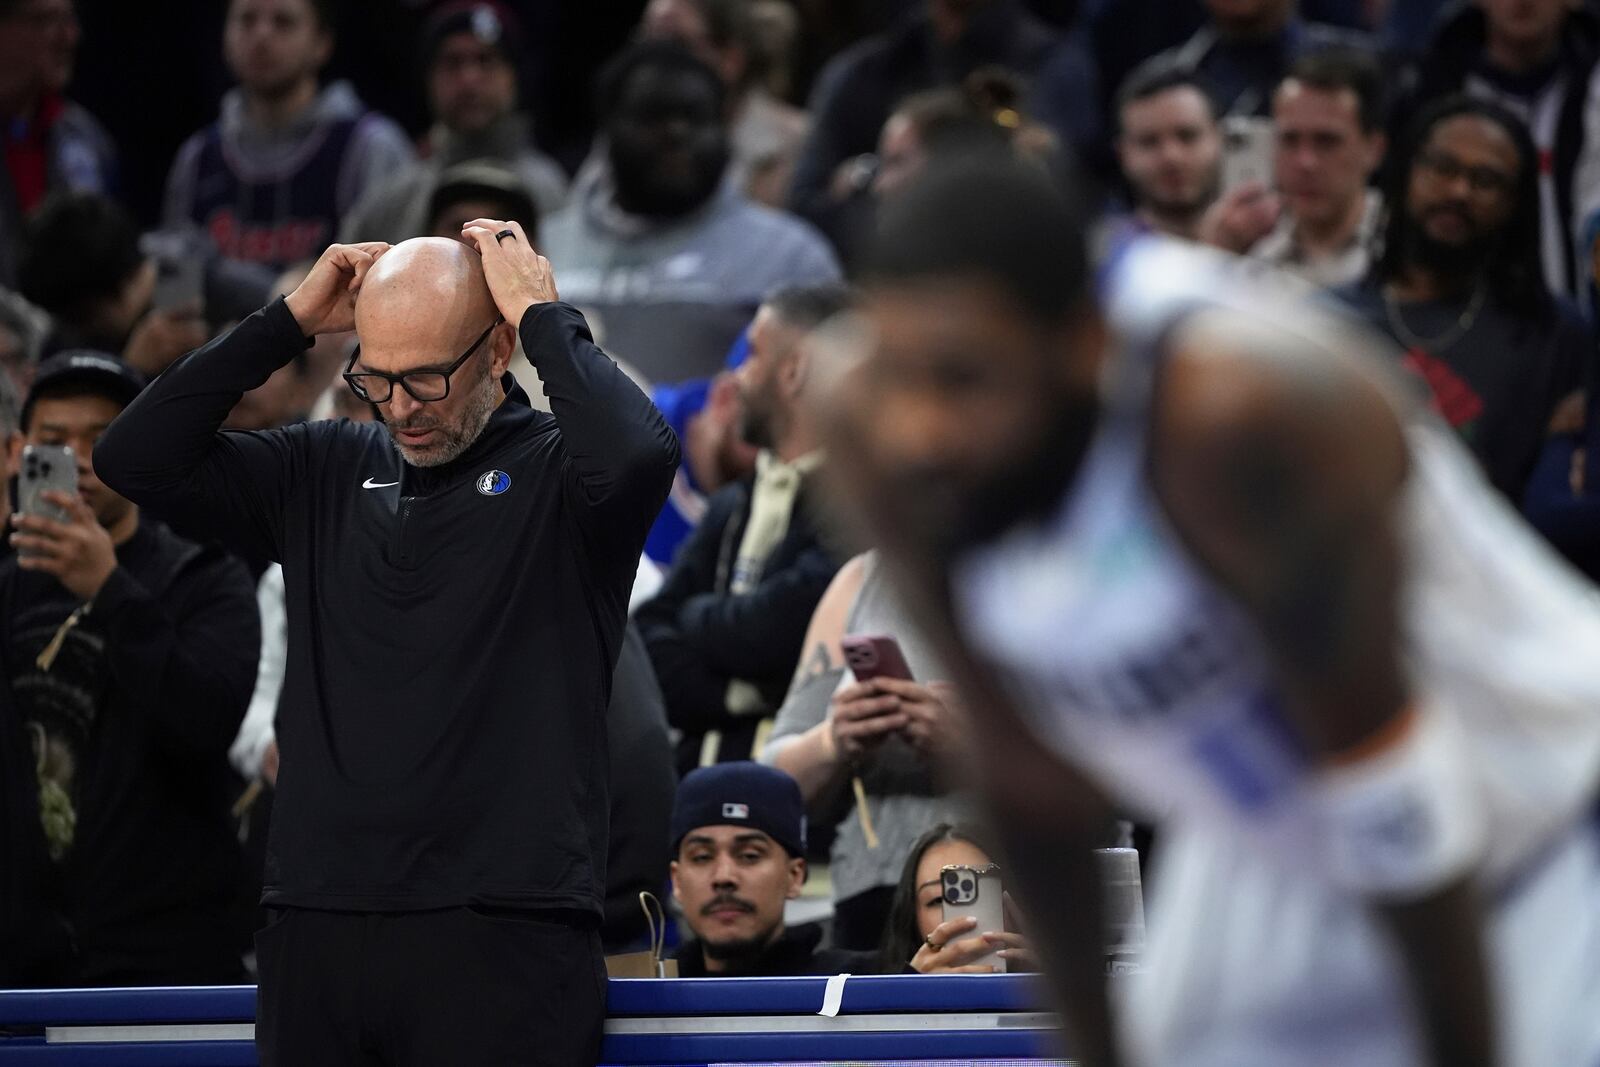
x,y
457,577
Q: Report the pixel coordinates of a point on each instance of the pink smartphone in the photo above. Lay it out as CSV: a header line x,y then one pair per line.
x,y
874,656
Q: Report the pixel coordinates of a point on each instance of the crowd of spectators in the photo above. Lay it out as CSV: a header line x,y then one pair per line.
x,y
1431,165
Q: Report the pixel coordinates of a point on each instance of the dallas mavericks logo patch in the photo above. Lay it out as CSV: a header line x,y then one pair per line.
x,y
493,483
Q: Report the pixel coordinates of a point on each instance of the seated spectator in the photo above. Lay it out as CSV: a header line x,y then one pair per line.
x,y
898,738
670,258
52,144
983,113
472,51
916,938
82,262
1538,60
1246,47
1460,285
765,133
705,416
725,631
271,179
1328,142
938,42
129,655
1170,150
739,848
480,189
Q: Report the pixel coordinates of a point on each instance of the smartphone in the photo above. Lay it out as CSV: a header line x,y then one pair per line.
x,y
46,467
180,273
974,891
874,656
1247,148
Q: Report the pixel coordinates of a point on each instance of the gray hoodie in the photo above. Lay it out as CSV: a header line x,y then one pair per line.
x,y
672,295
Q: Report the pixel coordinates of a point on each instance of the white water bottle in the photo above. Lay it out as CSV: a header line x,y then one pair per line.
x,y
1122,899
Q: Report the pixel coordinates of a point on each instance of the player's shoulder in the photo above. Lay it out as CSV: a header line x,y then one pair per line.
x,y
1231,376
1254,416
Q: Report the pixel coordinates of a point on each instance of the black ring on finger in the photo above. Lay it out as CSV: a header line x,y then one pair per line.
x,y
502,235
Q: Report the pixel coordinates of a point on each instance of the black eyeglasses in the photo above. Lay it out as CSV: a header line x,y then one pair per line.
x,y
376,387
1448,168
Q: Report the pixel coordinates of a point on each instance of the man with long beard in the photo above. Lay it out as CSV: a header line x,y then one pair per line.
x,y
1461,290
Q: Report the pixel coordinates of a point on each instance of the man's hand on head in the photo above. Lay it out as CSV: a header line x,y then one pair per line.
x,y
326,301
518,275
78,552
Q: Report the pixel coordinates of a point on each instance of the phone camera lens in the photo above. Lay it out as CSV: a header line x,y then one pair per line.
x,y
968,888
952,895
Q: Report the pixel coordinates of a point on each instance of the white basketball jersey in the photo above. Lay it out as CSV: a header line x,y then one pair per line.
x,y
1135,665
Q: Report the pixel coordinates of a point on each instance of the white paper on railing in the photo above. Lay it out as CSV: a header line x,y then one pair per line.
x,y
833,996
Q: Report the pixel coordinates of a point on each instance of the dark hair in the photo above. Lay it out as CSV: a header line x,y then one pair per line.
x,y
78,249
1331,70
806,307
1516,271
666,56
987,215
902,936
1157,75
985,109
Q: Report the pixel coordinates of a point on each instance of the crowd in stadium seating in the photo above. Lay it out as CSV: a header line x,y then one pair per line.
x,y
1431,165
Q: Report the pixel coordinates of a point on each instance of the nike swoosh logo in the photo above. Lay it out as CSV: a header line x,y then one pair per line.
x,y
370,484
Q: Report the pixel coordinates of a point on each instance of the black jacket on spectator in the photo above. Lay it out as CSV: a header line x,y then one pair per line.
x,y
859,88
1242,74
1500,383
452,630
1456,54
643,784
701,637
128,730
793,955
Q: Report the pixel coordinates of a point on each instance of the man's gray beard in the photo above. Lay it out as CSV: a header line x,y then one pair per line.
x,y
455,442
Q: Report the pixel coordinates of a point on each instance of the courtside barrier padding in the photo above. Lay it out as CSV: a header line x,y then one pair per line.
x,y
947,1019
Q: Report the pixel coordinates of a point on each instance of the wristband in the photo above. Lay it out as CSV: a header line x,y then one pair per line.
x,y
1398,813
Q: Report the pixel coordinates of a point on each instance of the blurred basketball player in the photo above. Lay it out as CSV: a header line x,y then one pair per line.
x,y
1207,565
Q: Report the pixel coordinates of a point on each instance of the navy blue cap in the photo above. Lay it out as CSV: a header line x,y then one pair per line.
x,y
741,794
94,372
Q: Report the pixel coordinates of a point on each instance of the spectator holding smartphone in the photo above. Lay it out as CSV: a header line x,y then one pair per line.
x,y
887,734
919,939
127,655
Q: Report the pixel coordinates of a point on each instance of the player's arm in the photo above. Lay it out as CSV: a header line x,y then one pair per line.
x,y
1047,818
1281,466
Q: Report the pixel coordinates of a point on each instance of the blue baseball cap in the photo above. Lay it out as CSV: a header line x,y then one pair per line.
x,y
741,794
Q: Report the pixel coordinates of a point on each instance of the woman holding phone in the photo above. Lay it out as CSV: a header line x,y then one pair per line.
x,y
920,939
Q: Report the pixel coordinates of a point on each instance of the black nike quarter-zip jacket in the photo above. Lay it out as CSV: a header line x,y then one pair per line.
x,y
452,630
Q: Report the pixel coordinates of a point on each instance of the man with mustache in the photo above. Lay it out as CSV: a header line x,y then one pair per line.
x,y
739,852
1460,286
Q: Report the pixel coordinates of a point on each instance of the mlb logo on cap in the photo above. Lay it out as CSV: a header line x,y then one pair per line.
x,y
735,811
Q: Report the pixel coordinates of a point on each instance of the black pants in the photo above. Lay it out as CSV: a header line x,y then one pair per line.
x,y
426,988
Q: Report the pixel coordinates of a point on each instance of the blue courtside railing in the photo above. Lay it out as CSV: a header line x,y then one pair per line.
x,y
954,1019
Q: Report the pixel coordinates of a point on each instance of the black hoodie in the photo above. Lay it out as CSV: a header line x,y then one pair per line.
x,y
452,630
1455,58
